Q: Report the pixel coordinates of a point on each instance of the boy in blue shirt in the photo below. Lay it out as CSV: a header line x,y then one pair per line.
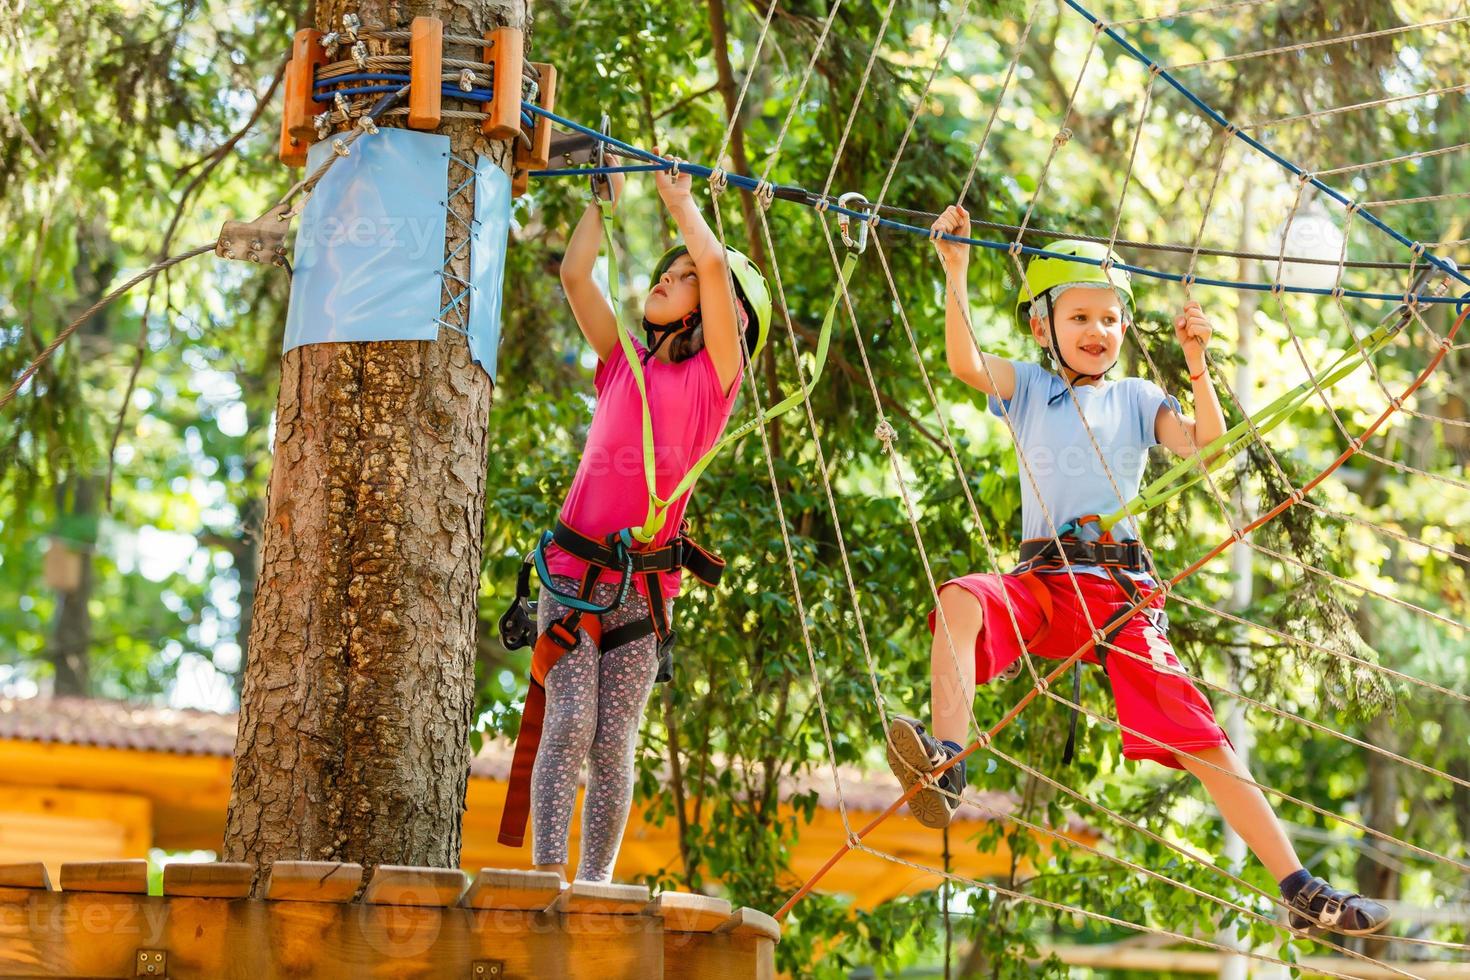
x,y
1070,474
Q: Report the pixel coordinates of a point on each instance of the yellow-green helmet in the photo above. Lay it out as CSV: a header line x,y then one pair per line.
x,y
750,288
1044,272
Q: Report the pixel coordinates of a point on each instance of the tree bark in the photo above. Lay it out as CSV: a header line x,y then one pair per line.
x,y
358,694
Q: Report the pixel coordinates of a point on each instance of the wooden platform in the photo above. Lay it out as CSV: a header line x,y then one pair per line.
x,y
325,920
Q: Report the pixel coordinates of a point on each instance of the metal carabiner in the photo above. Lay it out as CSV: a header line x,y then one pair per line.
x,y
844,222
599,160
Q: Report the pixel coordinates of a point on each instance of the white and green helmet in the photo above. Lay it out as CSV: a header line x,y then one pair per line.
x,y
750,288
1045,273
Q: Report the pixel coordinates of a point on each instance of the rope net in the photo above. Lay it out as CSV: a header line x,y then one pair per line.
x,y
1396,394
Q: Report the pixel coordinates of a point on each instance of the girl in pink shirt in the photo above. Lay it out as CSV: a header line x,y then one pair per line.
x,y
702,300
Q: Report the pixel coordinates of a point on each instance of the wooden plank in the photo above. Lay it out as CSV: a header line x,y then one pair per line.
x,y
708,956
116,877
601,898
751,922
685,912
393,884
313,881
31,874
214,880
62,934
497,888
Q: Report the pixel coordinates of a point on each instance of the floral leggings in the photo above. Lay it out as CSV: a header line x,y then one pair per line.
x,y
594,703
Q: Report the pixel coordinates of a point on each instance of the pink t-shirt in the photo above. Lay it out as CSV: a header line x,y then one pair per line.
x,y
610,492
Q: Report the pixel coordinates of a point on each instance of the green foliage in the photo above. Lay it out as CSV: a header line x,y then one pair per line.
x,y
110,112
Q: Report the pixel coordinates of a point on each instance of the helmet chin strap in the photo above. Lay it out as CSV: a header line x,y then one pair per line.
x,y
1056,353
666,332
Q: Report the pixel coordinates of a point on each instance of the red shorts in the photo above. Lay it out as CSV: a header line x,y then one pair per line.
x,y
1157,703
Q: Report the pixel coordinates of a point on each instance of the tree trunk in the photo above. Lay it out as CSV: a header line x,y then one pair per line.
x,y
77,504
357,699
71,637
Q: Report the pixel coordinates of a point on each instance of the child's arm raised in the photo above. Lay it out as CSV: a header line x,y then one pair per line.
x,y
593,312
985,373
716,297
1181,434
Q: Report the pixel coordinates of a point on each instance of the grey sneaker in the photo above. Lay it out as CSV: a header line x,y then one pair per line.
x,y
912,754
1320,907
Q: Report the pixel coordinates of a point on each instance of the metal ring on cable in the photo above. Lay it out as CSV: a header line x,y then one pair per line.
x,y
844,221
717,181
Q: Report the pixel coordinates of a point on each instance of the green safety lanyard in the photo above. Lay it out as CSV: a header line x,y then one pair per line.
x,y
1183,474
658,507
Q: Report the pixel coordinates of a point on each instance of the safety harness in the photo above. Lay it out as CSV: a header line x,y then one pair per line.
x,y
518,628
1067,550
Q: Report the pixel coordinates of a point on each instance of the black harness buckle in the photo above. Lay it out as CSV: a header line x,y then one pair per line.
x,y
666,658
518,625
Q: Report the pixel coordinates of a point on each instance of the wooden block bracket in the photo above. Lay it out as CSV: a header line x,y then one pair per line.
x,y
536,154
425,72
505,53
297,129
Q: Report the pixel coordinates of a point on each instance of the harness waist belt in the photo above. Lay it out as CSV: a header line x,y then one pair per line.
x,y
1129,555
679,553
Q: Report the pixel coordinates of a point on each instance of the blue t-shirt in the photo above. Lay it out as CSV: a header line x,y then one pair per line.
x,y
1070,476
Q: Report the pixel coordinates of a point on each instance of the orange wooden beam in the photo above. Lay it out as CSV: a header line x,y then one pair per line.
x,y
537,155
307,54
292,152
425,73
505,52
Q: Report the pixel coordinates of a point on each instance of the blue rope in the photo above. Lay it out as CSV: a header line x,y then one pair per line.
x,y
479,95
598,171
752,184
360,77
1446,267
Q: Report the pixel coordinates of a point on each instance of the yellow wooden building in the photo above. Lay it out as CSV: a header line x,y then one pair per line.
x,y
93,780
